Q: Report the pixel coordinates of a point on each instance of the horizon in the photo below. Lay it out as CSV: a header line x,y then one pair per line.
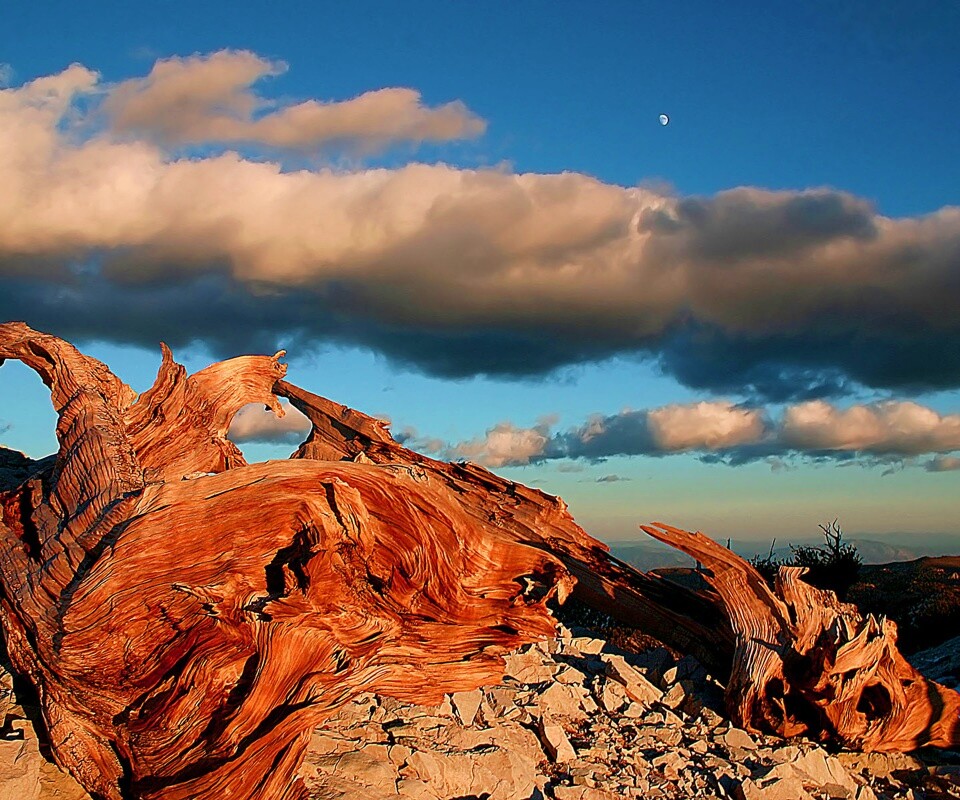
x,y
476,226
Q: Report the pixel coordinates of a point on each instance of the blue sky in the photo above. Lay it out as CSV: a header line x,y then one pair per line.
x,y
842,123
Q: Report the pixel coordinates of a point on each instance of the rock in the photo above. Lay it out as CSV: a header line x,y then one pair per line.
x,y
736,737
19,770
675,697
587,645
613,696
940,663
556,744
498,773
815,768
582,793
24,773
564,700
781,789
467,704
634,682
528,666
880,765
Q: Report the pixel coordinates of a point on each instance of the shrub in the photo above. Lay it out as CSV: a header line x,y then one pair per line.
x,y
834,565
769,565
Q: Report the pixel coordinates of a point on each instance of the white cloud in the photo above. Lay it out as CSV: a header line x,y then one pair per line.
x,y
943,464
903,428
704,426
257,423
882,434
207,98
504,445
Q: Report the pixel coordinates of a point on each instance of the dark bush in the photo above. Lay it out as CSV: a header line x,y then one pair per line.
x,y
834,565
768,565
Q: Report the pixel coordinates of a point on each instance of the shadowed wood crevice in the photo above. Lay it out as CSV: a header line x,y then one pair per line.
x,y
187,618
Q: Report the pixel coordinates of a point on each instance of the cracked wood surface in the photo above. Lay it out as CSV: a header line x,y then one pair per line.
x,y
188,618
805,663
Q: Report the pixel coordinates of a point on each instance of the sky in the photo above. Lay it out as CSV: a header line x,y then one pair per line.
x,y
468,219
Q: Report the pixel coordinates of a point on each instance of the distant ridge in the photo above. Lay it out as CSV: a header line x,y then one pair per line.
x,y
875,548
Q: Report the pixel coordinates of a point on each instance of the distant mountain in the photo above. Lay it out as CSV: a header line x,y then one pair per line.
x,y
877,548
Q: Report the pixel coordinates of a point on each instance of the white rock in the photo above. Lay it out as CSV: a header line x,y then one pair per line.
x,y
635,683
467,704
556,744
736,737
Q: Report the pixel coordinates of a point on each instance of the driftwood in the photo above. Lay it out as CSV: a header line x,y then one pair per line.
x,y
187,618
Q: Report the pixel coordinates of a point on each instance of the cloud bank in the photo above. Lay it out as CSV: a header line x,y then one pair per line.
x,y
108,231
725,432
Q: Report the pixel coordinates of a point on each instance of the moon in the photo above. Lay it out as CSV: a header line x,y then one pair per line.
x,y
664,119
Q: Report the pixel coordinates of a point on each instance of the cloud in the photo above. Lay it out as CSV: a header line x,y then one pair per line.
x,y
207,98
889,434
942,464
704,426
4,426
611,479
673,428
256,423
6,75
409,437
505,445
788,296
901,428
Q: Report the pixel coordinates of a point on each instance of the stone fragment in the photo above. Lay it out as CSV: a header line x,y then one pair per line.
x,y
675,697
19,769
467,704
556,744
529,666
587,645
781,789
880,765
563,700
815,768
613,696
582,793
498,773
635,683
736,737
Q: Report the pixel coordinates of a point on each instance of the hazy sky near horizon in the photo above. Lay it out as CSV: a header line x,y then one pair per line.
x,y
467,218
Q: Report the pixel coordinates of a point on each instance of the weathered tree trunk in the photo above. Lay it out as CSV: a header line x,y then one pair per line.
x,y
187,618
807,663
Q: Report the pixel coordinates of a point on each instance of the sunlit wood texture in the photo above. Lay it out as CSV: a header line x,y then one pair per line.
x,y
188,619
807,663
185,635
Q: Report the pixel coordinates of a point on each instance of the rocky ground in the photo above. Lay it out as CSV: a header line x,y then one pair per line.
x,y
575,718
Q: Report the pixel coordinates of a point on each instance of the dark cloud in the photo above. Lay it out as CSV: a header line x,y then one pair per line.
x,y
743,224
611,479
943,464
